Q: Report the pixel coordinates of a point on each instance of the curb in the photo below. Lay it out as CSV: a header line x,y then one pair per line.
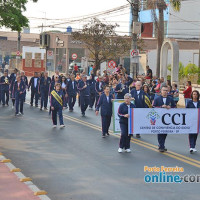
x,y
26,180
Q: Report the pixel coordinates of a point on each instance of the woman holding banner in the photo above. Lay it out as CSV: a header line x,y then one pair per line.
x,y
123,114
194,103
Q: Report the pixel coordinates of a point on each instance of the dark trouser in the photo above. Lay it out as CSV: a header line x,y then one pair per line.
x,y
161,140
192,140
0,95
125,137
44,98
54,115
92,99
3,94
85,100
13,102
106,119
34,93
72,101
19,102
97,99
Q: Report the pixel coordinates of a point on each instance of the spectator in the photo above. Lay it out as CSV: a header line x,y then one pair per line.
x,y
187,92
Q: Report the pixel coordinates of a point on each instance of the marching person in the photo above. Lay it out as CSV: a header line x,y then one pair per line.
x,y
84,89
34,84
45,82
64,89
57,74
193,103
72,92
19,92
56,103
121,89
99,88
123,114
139,96
92,83
105,102
163,101
5,83
25,80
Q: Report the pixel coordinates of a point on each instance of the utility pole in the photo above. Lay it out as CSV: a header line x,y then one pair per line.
x,y
135,10
18,48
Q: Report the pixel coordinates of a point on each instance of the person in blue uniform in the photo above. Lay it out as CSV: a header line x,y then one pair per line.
x,y
121,89
99,89
123,115
193,103
92,83
72,92
58,75
19,92
105,103
56,102
25,80
84,89
5,83
34,84
64,89
45,82
167,102
138,94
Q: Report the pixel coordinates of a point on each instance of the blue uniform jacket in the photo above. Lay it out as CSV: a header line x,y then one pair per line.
x,y
158,102
17,90
84,91
92,84
54,103
139,99
106,107
97,87
5,83
45,84
129,81
125,89
25,80
70,90
31,84
123,110
191,105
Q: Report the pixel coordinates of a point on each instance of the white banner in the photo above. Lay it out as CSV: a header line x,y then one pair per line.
x,y
163,121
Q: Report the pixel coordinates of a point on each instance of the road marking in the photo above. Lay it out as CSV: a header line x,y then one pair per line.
x,y
147,145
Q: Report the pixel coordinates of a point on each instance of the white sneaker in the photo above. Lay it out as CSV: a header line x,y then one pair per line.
x,y
54,126
12,107
194,150
62,126
20,113
128,151
120,150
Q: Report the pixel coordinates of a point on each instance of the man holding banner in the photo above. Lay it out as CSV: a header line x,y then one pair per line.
x,y
163,101
123,114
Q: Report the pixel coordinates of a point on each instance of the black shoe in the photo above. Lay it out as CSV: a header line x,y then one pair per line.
x,y
3,104
103,136
31,104
162,150
41,109
138,136
107,134
83,114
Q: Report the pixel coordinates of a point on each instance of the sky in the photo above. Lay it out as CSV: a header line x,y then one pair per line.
x,y
64,10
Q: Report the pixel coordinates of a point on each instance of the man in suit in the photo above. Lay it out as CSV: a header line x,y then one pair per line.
x,y
167,102
45,82
72,92
105,102
99,88
138,94
34,84
92,83
5,83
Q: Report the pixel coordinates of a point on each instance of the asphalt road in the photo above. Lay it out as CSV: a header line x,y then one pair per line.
x,y
76,163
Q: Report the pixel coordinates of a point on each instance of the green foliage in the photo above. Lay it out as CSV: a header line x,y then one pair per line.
x,y
11,14
176,5
190,69
102,41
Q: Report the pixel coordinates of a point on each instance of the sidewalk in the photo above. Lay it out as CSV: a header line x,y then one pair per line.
x,y
11,188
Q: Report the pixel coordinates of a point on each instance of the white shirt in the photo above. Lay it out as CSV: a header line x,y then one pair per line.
x,y
100,85
138,92
35,82
195,104
73,84
107,98
63,85
164,100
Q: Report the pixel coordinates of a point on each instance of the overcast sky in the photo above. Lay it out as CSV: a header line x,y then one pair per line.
x,y
62,9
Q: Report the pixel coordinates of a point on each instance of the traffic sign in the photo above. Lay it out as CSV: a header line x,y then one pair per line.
x,y
134,52
112,64
18,53
74,56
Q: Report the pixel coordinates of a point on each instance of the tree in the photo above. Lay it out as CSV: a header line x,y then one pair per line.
x,y
102,41
161,6
11,14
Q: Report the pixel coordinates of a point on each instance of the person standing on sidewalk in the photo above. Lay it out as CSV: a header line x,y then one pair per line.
x,y
187,92
105,102
5,83
123,121
56,102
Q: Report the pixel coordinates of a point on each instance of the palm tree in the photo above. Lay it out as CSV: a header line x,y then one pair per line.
x,y
161,6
